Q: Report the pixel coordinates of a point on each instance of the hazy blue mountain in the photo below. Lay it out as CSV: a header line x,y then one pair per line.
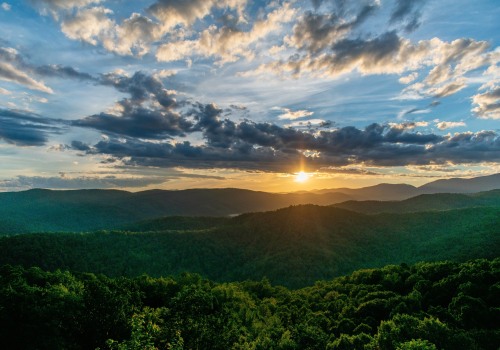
x,y
477,184
382,192
425,202
387,192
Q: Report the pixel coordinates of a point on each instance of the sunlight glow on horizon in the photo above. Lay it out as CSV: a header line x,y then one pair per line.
x,y
301,177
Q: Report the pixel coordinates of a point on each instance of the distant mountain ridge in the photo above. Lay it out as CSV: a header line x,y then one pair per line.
x,y
457,185
425,202
41,210
387,191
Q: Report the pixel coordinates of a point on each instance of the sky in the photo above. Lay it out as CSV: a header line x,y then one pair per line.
x,y
179,94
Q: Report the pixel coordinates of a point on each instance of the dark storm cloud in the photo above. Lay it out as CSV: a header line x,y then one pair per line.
x,y
23,128
80,146
62,72
375,51
142,131
136,121
268,147
140,87
150,112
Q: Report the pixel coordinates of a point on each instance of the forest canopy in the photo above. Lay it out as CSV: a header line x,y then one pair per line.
x,y
440,305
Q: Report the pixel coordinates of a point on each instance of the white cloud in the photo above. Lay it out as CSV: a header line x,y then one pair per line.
x,y
4,91
53,7
292,115
165,73
408,78
227,44
89,25
6,7
449,125
9,72
487,104
408,125
172,12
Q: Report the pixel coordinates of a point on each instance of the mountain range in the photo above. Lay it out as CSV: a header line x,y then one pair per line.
x,y
41,210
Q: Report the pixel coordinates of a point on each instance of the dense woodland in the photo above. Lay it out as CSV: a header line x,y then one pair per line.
x,y
90,210
255,281
440,305
293,247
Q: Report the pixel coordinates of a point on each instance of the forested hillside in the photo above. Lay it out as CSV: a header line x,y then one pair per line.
x,y
428,306
294,246
425,202
90,210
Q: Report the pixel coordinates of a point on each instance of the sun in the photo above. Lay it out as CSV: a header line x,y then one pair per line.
x,y
301,177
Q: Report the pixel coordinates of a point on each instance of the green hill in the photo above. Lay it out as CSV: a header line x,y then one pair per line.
x,y
294,246
425,202
90,210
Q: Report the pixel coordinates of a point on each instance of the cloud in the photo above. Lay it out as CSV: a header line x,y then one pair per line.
x,y
143,130
10,73
90,25
172,13
407,12
136,121
449,125
349,171
315,32
268,147
408,125
23,128
12,69
81,182
292,115
227,43
310,123
134,35
4,91
15,69
321,49
59,71
150,112
487,104
53,7
385,54
5,6
409,78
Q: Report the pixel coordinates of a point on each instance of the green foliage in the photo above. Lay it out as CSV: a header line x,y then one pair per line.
x,y
294,247
91,210
417,344
446,306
